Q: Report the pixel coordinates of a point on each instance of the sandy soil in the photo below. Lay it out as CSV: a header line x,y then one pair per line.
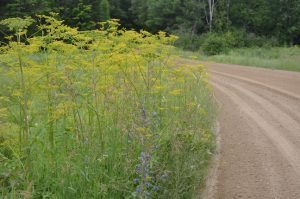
x,y
259,151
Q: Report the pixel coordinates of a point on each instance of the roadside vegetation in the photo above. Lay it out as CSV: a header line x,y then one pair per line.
x,y
108,110
189,19
107,113
281,58
239,47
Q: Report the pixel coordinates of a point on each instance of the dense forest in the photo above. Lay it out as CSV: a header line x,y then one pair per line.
x,y
277,20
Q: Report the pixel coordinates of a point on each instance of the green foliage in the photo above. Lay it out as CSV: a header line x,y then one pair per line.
x,y
281,58
188,41
17,24
101,114
192,17
267,18
81,16
139,10
222,21
252,40
104,10
215,43
274,57
261,18
20,8
161,14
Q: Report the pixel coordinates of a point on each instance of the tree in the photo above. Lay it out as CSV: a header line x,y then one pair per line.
x,y
209,16
20,8
192,17
162,14
288,24
264,18
139,10
104,10
222,16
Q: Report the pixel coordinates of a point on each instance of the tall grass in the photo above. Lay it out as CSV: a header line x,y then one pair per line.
x,y
274,58
100,114
282,58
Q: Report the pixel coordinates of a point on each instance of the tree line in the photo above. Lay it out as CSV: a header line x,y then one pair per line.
x,y
278,19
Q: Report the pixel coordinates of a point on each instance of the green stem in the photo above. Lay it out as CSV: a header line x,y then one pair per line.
x,y
25,97
50,114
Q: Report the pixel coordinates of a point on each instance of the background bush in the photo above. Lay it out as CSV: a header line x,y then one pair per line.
x,y
218,43
214,43
188,41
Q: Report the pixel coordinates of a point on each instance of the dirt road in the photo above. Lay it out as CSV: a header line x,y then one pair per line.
x,y
259,133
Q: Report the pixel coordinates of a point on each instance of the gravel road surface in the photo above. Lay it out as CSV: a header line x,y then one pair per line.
x,y
259,117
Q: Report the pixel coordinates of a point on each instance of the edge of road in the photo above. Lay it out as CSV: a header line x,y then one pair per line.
x,y
209,190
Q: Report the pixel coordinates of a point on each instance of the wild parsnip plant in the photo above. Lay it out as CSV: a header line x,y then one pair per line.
x,y
100,114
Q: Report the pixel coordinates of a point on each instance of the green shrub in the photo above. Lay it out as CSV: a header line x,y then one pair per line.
x,y
218,43
215,43
253,40
188,41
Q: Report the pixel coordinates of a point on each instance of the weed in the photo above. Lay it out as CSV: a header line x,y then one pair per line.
x,y
100,114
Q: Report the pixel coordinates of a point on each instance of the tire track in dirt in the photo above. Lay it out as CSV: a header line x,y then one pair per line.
x,y
284,145
274,89
266,107
259,120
